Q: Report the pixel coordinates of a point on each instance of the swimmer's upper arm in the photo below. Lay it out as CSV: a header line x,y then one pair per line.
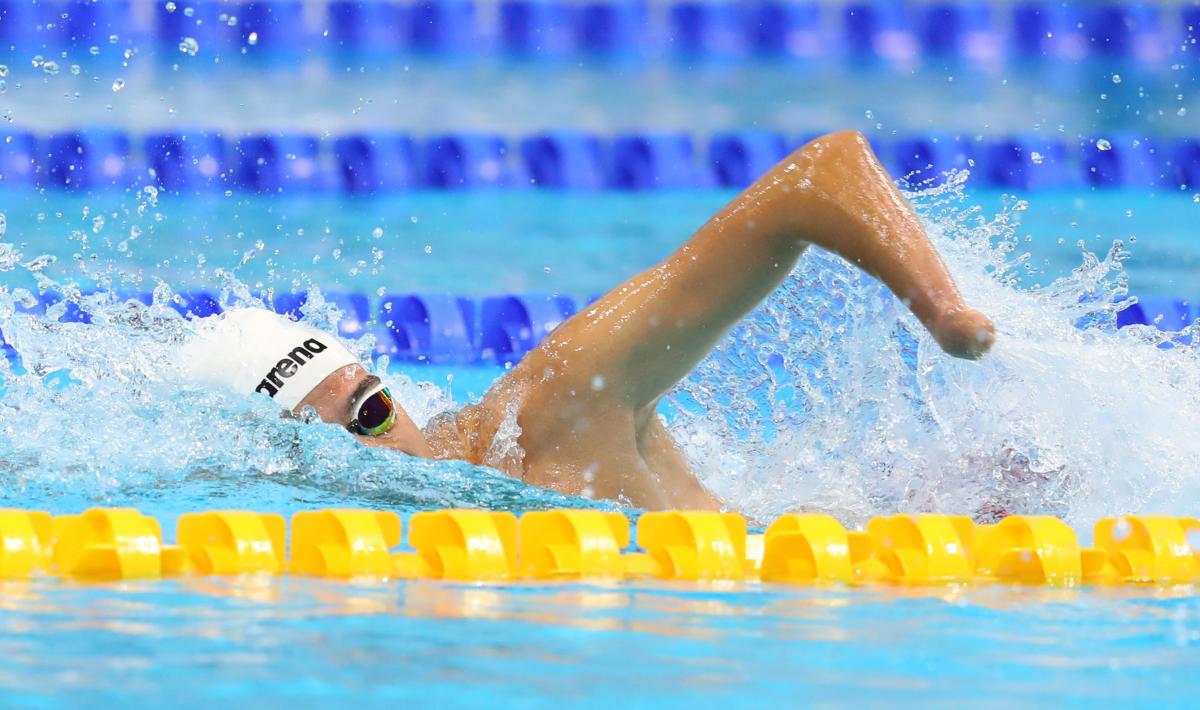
x,y
647,333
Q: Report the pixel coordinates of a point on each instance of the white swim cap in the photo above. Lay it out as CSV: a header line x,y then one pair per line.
x,y
254,350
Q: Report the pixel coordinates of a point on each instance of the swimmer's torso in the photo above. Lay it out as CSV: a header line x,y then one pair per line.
x,y
591,448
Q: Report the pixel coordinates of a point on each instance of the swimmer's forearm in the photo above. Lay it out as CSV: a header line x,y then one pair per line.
x,y
649,332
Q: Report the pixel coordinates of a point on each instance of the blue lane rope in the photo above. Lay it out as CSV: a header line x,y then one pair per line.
x,y
448,329
570,30
385,162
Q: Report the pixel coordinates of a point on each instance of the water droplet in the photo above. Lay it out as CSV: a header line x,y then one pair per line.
x,y
1036,157
118,84
189,46
1103,144
1121,529
1116,78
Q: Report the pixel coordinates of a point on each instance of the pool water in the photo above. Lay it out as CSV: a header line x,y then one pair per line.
x,y
308,642
829,397
823,435
486,243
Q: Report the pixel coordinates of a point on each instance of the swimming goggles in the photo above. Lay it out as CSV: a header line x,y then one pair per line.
x,y
376,414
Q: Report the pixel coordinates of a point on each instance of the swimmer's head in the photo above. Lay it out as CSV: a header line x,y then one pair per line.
x,y
251,350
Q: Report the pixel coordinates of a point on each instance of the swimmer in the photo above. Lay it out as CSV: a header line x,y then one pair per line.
x,y
585,399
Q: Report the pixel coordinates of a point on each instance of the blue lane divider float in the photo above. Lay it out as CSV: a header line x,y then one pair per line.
x,y
511,326
185,162
871,30
199,161
466,161
564,160
451,329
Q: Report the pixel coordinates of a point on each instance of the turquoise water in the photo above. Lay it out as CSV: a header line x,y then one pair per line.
x,y
479,244
828,398
308,642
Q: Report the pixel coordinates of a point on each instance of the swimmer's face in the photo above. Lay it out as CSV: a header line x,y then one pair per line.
x,y
338,398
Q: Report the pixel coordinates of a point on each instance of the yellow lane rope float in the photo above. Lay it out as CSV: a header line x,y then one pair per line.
x,y
485,546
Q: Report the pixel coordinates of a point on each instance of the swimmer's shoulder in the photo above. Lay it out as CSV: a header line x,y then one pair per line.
x,y
469,433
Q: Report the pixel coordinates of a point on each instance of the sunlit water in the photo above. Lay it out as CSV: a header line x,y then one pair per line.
x,y
829,397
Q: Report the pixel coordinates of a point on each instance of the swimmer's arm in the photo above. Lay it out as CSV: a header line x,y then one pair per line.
x,y
649,332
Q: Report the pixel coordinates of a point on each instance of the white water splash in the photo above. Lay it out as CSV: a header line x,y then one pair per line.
x,y
99,417
831,397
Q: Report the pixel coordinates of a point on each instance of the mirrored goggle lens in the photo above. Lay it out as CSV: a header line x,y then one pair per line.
x,y
376,414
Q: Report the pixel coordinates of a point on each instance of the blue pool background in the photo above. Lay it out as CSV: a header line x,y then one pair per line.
x,y
960,86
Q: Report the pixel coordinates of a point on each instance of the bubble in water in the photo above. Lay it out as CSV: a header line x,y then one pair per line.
x,y
252,39
170,7
1121,529
1116,78
94,51
377,232
3,225
50,67
1103,144
3,86
113,39
189,46
1181,112
413,219
3,70
97,223
118,84
428,248
1036,157
75,69
189,11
